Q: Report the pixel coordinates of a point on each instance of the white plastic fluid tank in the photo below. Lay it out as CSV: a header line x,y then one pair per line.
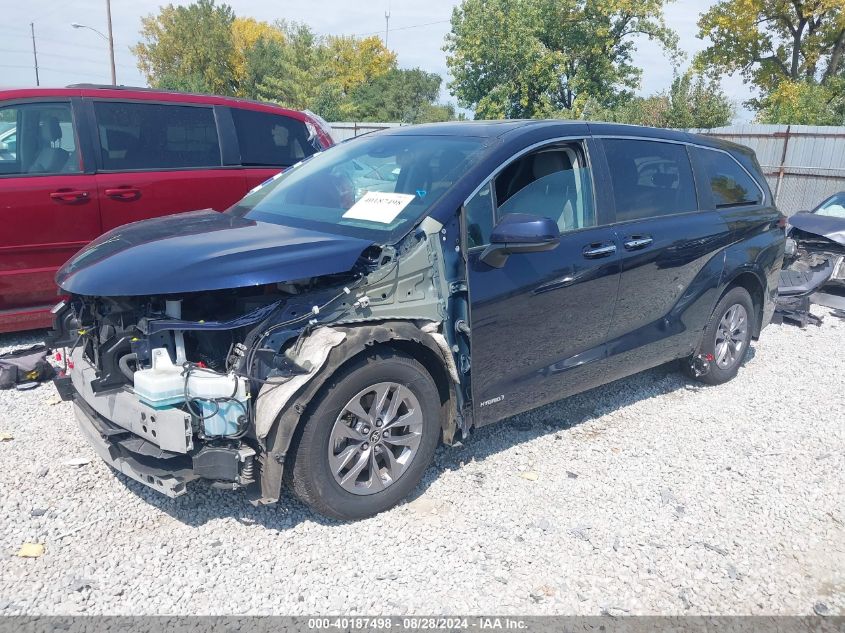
x,y
220,418
163,384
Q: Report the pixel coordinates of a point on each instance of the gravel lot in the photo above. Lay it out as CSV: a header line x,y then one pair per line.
x,y
651,495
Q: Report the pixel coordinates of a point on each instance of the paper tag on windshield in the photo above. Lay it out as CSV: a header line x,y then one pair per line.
x,y
379,207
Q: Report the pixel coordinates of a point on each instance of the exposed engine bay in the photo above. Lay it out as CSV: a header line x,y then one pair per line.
x,y
170,388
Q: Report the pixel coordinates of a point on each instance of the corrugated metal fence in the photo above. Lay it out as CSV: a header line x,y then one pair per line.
x,y
804,164
342,131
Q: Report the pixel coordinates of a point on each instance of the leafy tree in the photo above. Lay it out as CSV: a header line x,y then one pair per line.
x,y
246,34
405,96
697,102
805,103
692,102
188,48
772,41
301,71
204,47
352,62
530,58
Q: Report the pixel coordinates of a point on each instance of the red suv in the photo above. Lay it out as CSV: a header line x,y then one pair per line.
x,y
76,162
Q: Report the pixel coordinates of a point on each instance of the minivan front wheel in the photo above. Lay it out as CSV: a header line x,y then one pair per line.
x,y
367,442
728,336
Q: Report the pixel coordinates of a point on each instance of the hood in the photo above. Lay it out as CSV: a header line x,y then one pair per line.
x,y
203,250
823,225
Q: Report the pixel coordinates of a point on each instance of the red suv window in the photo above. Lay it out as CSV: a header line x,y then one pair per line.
x,y
152,136
272,140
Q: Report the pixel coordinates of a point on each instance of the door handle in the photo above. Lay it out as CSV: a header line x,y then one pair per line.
x,y
123,193
595,251
69,195
636,242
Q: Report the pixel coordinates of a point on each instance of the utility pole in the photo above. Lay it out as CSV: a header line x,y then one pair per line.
x,y
34,52
386,24
111,43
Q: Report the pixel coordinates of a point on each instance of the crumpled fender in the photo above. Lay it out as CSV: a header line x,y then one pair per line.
x,y
821,225
280,415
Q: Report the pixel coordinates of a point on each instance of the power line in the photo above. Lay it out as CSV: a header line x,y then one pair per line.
x,y
68,57
56,41
53,70
401,28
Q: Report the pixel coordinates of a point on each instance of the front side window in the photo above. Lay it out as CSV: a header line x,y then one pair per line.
x,y
650,178
146,136
375,187
38,138
554,183
479,213
272,140
730,184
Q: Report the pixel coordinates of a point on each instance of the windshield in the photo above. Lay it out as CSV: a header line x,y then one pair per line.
x,y
834,207
374,188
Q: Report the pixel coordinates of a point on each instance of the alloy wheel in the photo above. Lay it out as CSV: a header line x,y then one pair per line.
x,y
731,336
375,438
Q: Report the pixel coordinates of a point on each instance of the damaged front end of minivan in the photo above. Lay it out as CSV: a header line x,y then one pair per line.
x,y
193,345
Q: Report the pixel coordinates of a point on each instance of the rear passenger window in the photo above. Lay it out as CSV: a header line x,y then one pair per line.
x,y
731,185
650,178
272,140
152,136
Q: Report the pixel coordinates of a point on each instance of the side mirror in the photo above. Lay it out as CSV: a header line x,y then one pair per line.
x,y
520,233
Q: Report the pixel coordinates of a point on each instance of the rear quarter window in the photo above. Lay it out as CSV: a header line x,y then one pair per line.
x,y
145,136
272,140
730,185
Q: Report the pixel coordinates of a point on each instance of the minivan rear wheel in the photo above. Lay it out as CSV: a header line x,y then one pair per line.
x,y
727,336
366,444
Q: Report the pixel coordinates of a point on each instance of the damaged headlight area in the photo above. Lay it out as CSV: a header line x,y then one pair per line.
x,y
814,264
171,388
169,381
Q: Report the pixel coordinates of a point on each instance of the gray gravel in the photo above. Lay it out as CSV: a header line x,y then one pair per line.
x,y
650,495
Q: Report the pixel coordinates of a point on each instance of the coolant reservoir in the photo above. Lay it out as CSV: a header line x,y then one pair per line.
x,y
163,384
220,417
220,398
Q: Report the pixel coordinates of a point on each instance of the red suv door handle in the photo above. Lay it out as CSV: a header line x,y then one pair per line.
x,y
123,193
69,195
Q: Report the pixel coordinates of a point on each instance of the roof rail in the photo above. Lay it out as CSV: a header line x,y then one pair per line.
x,y
110,87
87,86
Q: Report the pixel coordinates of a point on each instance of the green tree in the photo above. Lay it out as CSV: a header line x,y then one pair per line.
x,y
404,96
805,103
319,73
188,48
697,102
774,42
531,58
301,68
692,101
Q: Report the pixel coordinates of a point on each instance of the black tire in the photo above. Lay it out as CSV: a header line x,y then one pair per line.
x,y
308,470
717,374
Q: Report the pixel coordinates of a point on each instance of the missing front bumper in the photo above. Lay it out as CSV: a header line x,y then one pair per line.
x,y
167,475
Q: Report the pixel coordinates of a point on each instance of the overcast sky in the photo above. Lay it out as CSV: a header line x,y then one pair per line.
x,y
67,55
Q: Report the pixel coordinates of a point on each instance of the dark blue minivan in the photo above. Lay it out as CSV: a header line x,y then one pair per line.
x,y
403,288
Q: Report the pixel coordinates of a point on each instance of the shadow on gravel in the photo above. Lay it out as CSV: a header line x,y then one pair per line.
x,y
203,504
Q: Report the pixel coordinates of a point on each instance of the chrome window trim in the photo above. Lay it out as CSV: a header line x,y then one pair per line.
x,y
520,154
582,138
